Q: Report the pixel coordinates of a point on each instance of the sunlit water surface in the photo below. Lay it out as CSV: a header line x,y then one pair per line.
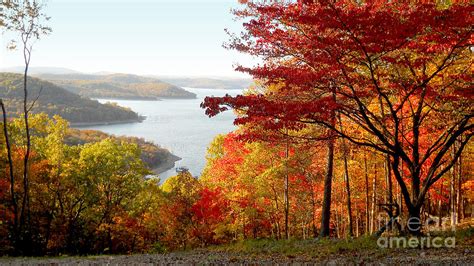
x,y
179,125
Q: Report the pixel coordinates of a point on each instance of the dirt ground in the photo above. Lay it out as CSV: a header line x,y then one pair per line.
x,y
456,256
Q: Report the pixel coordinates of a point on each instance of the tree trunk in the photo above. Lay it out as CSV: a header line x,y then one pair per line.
x,y
357,223
374,200
313,205
348,189
25,218
287,200
326,211
459,198
346,181
452,194
400,192
367,207
440,210
277,208
336,222
414,221
388,180
11,173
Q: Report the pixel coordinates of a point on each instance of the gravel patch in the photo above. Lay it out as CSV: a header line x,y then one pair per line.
x,y
205,257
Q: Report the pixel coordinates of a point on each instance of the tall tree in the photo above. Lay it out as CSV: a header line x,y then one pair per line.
x,y
367,200
26,18
10,166
420,71
326,212
345,152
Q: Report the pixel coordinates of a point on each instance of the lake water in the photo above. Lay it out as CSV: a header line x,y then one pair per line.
x,y
178,125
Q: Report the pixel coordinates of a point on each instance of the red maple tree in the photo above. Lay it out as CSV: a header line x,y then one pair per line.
x,y
399,72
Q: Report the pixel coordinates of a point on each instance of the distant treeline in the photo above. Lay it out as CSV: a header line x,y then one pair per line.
x,y
54,100
122,86
211,83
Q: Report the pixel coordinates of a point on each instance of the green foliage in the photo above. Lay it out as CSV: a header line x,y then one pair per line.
x,y
151,154
158,248
54,100
298,247
182,184
465,235
84,198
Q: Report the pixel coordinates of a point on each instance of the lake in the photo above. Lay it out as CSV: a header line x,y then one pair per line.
x,y
178,125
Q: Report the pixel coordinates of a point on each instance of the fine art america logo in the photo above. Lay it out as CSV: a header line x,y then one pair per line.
x,y
414,224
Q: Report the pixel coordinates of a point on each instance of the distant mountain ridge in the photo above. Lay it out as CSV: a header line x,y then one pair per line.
x,y
54,100
40,70
118,86
62,75
211,83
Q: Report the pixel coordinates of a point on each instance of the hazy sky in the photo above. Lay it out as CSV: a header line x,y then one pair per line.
x,y
158,37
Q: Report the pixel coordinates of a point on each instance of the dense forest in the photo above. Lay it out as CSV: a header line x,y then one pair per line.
x,y
89,194
327,79
54,100
154,157
118,86
359,125
73,190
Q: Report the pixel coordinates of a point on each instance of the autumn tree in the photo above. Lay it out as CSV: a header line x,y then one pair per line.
x,y
181,192
25,18
399,72
112,172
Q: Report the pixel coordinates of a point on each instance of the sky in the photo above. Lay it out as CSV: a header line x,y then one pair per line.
x,y
145,37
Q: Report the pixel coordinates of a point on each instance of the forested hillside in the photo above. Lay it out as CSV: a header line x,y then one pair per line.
x,y
352,147
121,86
152,155
54,100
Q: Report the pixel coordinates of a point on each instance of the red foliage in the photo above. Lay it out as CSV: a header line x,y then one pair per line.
x,y
210,206
209,211
345,57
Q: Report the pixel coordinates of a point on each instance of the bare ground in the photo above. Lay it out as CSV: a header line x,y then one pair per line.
x,y
456,256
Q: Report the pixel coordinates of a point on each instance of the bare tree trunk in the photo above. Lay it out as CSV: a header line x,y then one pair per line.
x,y
388,174
287,200
336,222
342,227
346,181
326,211
277,207
388,180
440,217
374,200
459,198
313,205
452,194
25,216
367,207
11,172
440,210
26,200
357,223
348,189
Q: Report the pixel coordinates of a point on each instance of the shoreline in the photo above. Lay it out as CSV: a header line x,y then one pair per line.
x,y
149,99
167,165
170,163
131,98
88,124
